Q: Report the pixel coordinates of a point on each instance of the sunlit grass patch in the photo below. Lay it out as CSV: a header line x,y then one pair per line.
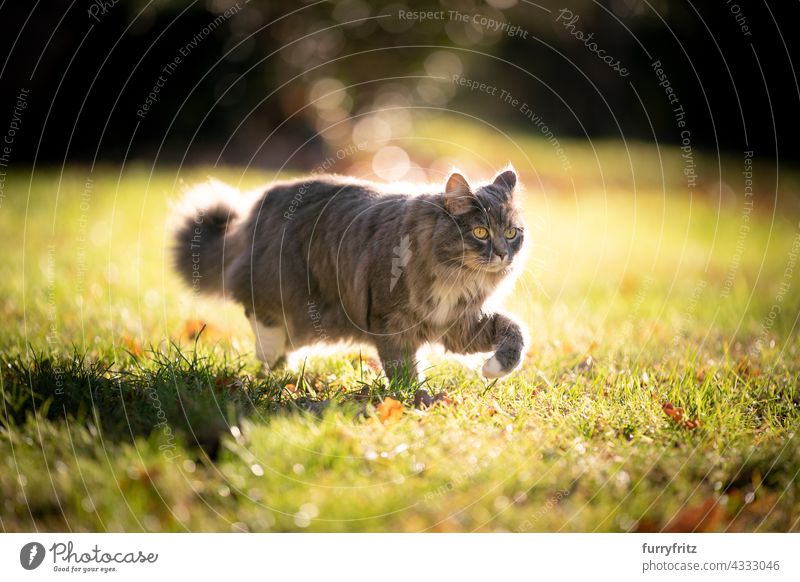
x,y
659,391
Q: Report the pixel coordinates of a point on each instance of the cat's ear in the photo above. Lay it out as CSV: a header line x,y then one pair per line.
x,y
458,196
506,182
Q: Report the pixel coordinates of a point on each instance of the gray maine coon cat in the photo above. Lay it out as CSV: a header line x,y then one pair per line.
x,y
330,258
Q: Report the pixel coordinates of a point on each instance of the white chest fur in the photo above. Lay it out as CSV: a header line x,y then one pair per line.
x,y
451,297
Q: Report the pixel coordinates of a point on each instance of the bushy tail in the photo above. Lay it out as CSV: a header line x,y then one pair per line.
x,y
205,235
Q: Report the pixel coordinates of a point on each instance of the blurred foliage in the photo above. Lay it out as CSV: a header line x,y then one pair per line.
x,y
276,83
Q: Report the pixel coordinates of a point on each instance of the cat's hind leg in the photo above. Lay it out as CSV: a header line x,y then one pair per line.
x,y
270,343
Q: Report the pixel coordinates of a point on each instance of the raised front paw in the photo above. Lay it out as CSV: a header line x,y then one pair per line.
x,y
492,368
501,364
508,354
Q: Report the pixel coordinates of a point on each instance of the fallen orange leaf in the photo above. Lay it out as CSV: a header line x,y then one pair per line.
x,y
494,408
390,411
444,399
193,328
423,399
745,368
678,416
229,383
692,424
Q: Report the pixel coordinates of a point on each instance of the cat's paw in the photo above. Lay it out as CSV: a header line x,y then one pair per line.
x,y
492,368
502,363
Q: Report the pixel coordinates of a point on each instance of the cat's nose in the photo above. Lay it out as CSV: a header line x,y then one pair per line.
x,y
501,255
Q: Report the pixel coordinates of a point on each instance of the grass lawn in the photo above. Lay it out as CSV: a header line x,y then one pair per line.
x,y
660,391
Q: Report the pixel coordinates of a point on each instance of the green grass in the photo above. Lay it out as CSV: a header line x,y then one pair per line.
x,y
116,417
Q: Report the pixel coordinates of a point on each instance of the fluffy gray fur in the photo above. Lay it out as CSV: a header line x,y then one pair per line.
x,y
328,259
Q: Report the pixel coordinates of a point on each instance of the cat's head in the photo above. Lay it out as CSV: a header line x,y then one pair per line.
x,y
486,232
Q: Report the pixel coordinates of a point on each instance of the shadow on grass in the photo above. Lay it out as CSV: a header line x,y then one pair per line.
x,y
175,396
190,399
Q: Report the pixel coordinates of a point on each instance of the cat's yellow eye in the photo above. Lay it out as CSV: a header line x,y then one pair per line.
x,y
480,232
510,233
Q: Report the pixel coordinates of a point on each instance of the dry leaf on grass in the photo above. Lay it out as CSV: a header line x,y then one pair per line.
x,y
390,411
678,416
495,408
691,423
423,399
675,413
194,328
229,383
444,399
746,369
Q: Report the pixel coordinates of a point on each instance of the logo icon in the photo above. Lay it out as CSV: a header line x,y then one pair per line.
x,y
31,555
402,254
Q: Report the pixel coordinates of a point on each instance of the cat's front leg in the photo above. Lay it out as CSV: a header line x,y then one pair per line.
x,y
489,331
509,347
398,360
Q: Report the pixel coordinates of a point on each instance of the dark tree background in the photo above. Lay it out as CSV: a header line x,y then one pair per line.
x,y
249,74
